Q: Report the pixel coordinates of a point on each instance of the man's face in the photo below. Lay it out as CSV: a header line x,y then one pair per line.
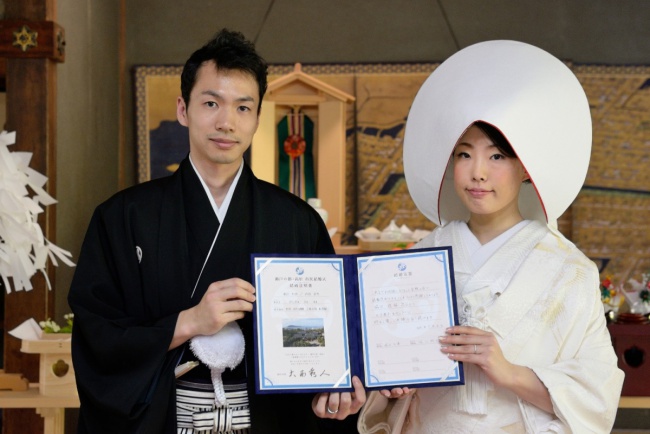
x,y
222,115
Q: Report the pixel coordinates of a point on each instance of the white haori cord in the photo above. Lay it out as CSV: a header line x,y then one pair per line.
x,y
224,349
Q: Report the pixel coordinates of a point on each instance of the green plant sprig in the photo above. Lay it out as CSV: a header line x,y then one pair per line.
x,y
50,326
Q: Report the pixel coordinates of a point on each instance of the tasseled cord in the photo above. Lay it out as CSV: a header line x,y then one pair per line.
x,y
472,397
224,349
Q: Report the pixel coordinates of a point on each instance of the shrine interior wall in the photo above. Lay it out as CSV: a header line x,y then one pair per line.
x,y
87,124
607,221
96,114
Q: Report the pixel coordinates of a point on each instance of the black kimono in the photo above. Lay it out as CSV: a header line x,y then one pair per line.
x,y
139,262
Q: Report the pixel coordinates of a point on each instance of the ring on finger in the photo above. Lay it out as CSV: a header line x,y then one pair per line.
x,y
330,411
475,349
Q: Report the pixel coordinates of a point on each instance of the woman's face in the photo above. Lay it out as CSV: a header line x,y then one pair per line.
x,y
486,181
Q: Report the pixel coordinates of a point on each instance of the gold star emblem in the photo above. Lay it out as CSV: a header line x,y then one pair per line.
x,y
25,38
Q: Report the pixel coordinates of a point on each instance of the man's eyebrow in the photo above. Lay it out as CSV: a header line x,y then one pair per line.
x,y
218,95
246,99
211,93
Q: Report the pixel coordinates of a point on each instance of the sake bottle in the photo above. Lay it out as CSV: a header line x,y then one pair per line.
x,y
317,205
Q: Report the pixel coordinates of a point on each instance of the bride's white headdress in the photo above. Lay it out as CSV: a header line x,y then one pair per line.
x,y
530,96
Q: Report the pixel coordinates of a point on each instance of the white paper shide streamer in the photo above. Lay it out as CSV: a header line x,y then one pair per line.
x,y
23,248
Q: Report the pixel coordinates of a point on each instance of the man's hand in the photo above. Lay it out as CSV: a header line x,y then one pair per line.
x,y
223,302
340,405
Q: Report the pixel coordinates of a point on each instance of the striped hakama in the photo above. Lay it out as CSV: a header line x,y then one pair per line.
x,y
197,413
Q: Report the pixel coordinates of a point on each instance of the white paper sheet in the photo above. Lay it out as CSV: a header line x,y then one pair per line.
x,y
303,339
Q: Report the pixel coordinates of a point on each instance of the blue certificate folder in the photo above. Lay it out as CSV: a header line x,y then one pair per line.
x,y
321,319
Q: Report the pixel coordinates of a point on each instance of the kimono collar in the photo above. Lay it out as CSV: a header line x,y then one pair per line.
x,y
530,96
498,271
220,211
539,269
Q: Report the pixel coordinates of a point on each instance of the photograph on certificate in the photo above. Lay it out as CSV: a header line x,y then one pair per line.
x,y
407,302
301,324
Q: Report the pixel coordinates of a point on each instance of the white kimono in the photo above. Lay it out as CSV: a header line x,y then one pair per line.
x,y
539,295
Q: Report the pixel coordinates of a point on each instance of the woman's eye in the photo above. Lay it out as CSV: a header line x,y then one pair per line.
x,y
498,156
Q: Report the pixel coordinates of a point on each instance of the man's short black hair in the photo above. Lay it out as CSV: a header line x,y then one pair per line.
x,y
230,51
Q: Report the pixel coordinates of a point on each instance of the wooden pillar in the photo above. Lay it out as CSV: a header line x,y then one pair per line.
x,y
31,56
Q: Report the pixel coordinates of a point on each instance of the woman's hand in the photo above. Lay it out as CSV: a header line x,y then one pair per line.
x,y
396,392
472,345
334,405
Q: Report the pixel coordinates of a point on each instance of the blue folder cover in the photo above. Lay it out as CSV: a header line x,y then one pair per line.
x,y
383,330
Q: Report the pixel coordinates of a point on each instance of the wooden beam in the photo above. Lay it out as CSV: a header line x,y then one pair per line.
x,y
3,76
31,112
32,39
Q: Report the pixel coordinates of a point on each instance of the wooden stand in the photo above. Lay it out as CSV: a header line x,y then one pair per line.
x,y
56,373
56,390
634,402
632,346
51,408
14,382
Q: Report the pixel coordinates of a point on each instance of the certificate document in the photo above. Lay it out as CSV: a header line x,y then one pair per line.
x,y
319,320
